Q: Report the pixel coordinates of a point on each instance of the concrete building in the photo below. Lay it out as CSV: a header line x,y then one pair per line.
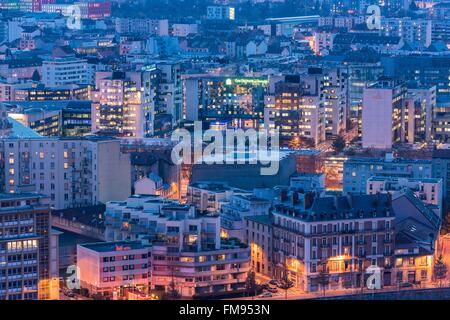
x,y
382,111
441,170
258,235
339,235
170,92
323,42
26,248
158,27
220,13
234,213
108,268
308,181
417,228
245,176
71,172
224,98
184,29
187,251
209,196
55,118
429,190
358,170
63,71
409,29
297,112
124,103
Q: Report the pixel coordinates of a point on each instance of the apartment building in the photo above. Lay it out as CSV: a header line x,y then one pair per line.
x,y
25,248
258,235
340,235
108,268
358,170
224,98
417,227
187,251
323,42
124,103
409,29
440,170
63,71
72,172
158,27
234,213
296,110
220,13
209,196
334,90
170,92
308,181
54,118
429,190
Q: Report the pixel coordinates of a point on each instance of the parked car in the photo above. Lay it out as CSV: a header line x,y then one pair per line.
x,y
265,286
272,290
70,294
273,282
406,285
266,295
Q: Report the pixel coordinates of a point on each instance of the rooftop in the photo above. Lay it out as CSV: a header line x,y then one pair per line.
x,y
113,246
16,196
341,208
263,219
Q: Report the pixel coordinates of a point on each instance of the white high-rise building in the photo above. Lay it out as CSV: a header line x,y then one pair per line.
x,y
382,114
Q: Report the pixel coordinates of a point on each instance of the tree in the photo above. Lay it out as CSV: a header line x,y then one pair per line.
x,y
338,144
250,284
286,283
172,292
324,277
440,270
35,76
301,142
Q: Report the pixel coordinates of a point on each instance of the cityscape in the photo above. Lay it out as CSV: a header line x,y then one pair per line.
x,y
236,150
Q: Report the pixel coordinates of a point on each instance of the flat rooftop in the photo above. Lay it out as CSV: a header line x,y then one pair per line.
x,y
113,246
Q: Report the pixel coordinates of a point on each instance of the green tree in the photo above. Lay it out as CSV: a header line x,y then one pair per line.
x,y
251,287
338,144
35,76
286,283
440,270
324,277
